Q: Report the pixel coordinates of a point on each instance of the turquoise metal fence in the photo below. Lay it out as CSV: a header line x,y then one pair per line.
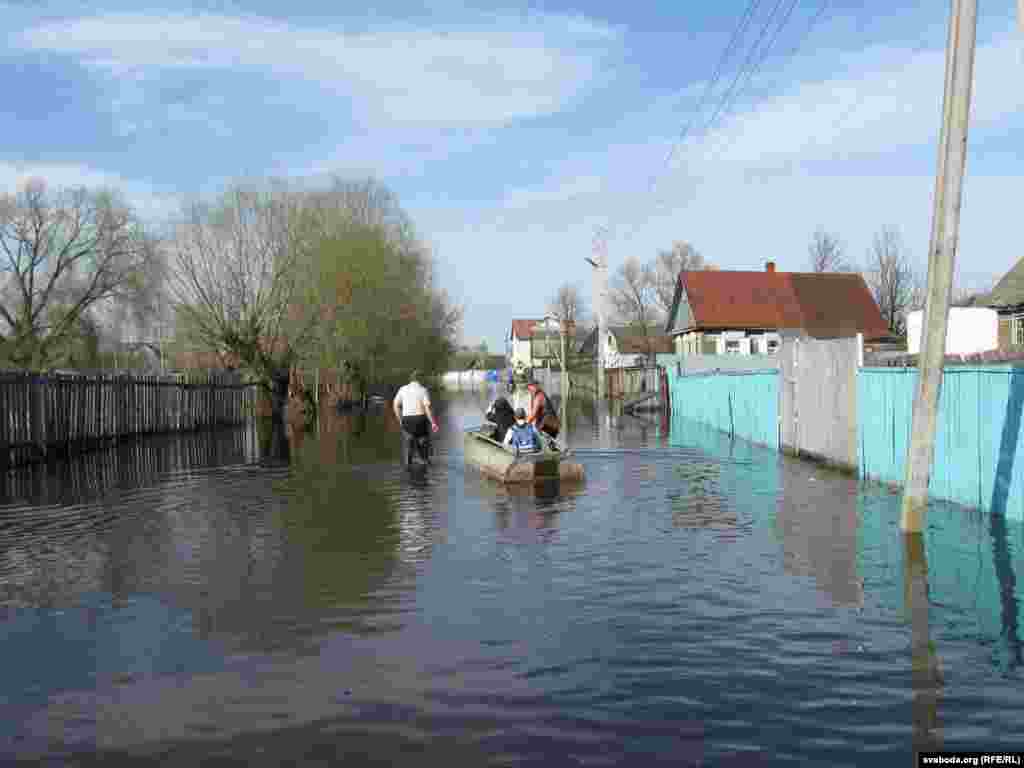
x,y
742,404
978,438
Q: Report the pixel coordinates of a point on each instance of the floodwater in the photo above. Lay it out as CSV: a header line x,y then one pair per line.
x,y
247,599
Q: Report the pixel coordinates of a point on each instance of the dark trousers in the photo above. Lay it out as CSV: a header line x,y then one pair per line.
x,y
418,430
416,426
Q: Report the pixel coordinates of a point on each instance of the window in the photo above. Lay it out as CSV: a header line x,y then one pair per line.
x,y
755,346
1017,330
773,346
732,347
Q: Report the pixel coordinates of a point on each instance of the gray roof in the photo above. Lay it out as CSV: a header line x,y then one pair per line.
x,y
1009,291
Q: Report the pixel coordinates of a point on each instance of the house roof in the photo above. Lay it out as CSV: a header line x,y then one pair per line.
x,y
631,342
1009,291
825,305
525,329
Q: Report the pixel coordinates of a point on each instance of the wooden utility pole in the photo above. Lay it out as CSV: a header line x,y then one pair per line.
x,y
956,108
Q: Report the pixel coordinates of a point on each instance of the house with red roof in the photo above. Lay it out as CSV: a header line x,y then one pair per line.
x,y
535,343
746,313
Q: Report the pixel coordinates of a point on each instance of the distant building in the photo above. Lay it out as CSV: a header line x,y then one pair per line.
x,y
1007,299
535,343
628,346
744,313
971,330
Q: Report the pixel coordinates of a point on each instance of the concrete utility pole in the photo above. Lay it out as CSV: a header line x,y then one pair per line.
x,y
564,328
956,108
599,298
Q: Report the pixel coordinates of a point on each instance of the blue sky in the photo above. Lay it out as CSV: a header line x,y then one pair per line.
x,y
510,131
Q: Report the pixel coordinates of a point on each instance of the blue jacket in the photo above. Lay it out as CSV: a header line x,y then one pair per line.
x,y
524,437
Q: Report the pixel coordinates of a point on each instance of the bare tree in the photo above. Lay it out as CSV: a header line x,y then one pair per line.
x,y
236,282
567,306
892,278
826,253
667,266
62,256
634,298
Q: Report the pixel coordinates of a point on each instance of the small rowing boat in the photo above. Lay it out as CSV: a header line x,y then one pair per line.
x,y
498,462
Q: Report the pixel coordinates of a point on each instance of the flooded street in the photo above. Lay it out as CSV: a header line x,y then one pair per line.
x,y
235,598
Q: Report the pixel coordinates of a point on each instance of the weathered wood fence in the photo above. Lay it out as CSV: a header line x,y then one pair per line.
x,y
43,415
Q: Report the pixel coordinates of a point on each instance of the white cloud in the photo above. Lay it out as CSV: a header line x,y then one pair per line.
x,y
886,99
566,191
494,71
756,190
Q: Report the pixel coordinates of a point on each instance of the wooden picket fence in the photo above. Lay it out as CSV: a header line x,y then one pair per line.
x,y
45,415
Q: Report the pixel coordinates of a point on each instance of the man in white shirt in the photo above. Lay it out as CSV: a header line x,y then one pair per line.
x,y
412,409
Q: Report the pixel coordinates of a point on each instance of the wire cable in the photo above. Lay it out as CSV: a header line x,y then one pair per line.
x,y
717,73
750,62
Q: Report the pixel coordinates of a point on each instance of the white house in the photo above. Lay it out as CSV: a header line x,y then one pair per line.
x,y
625,347
970,330
534,343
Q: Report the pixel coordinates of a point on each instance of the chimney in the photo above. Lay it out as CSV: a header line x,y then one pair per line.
x,y
769,266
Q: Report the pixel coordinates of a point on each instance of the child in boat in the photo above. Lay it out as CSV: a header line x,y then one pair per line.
x,y
522,436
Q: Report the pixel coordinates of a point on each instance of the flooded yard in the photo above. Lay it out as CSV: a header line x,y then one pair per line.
x,y
239,598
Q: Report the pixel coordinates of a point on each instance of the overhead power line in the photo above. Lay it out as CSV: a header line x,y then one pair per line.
x,y
602,233
755,58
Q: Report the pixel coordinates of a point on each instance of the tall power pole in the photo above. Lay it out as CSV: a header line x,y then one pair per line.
x,y
956,108
600,301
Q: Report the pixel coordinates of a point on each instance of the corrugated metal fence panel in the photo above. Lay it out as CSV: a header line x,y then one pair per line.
x,y
744,405
978,447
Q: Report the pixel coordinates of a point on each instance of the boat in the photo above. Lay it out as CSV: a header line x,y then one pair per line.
x,y
499,463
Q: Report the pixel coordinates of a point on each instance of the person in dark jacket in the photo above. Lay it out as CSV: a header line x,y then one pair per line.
x,y
503,416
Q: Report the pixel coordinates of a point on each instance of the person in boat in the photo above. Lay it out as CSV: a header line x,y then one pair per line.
x,y
412,409
523,437
542,414
503,416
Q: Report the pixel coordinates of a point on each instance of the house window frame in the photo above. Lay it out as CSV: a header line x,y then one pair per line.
x,y
730,349
1017,329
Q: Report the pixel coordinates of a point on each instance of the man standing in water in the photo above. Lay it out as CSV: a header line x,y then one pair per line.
x,y
412,409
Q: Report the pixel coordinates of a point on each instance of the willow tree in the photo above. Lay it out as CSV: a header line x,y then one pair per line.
x,y
236,282
372,282
66,257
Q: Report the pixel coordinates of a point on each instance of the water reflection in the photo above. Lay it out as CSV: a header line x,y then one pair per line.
x,y
1009,601
340,533
681,604
701,501
926,670
816,519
